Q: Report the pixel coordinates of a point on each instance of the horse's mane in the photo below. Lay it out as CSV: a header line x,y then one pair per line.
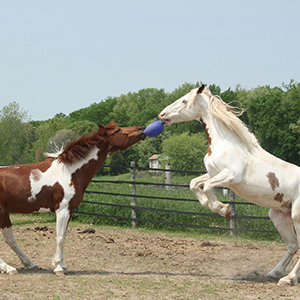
x,y
228,115
80,149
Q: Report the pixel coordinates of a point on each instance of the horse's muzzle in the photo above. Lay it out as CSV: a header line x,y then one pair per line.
x,y
142,134
163,116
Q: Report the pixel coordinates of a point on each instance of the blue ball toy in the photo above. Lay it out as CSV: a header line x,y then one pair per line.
x,y
154,129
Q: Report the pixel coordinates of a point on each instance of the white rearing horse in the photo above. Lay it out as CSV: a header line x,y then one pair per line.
x,y
236,160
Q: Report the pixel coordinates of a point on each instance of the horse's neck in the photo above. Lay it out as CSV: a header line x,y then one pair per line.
x,y
221,137
217,133
87,171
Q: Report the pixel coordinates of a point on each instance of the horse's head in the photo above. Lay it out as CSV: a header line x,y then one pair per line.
x,y
123,137
184,109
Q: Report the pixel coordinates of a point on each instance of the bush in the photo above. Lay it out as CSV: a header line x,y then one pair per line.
x,y
185,152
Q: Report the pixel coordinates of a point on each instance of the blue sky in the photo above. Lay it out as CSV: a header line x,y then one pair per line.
x,y
60,56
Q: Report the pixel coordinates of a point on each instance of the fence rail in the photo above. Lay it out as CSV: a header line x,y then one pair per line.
x,y
134,207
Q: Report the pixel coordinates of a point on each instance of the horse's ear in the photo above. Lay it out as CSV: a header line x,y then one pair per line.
x,y
201,88
112,125
101,129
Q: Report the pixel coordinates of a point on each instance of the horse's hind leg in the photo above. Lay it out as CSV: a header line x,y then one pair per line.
x,y
10,240
285,226
292,277
4,267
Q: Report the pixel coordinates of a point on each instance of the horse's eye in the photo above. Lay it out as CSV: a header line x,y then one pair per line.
x,y
118,130
184,101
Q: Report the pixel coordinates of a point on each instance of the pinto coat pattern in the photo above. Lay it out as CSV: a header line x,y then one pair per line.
x,y
236,160
57,185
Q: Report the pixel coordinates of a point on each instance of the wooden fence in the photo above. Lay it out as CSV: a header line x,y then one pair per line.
x,y
233,228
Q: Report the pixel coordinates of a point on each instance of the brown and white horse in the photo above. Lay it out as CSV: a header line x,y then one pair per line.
x,y
236,160
57,185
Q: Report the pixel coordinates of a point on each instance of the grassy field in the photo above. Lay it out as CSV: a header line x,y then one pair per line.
x,y
123,208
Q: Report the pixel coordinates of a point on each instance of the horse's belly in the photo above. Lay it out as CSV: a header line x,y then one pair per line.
x,y
273,185
280,199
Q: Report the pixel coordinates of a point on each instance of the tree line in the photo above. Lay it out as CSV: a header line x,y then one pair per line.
x,y
271,113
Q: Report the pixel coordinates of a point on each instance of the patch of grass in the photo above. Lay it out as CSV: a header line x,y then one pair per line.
x,y
26,219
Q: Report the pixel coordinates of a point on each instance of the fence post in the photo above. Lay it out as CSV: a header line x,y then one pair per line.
x,y
168,177
233,219
133,198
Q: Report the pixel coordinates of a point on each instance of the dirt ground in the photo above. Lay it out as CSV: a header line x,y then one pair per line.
x,y
112,263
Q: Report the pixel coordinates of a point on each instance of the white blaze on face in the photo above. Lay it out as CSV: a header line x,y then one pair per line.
x,y
58,173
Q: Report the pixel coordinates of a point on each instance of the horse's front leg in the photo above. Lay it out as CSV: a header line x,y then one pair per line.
x,y
195,187
223,179
62,219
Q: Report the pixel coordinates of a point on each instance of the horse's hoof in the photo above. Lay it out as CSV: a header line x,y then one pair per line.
x,y
287,282
228,214
283,283
31,266
35,268
12,272
60,273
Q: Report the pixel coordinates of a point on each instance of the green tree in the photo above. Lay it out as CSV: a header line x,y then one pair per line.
x,y
16,135
292,103
185,152
98,113
120,111
136,109
271,111
272,114
145,105
83,127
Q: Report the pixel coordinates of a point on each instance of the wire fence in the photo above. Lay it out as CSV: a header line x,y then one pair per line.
x,y
134,207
